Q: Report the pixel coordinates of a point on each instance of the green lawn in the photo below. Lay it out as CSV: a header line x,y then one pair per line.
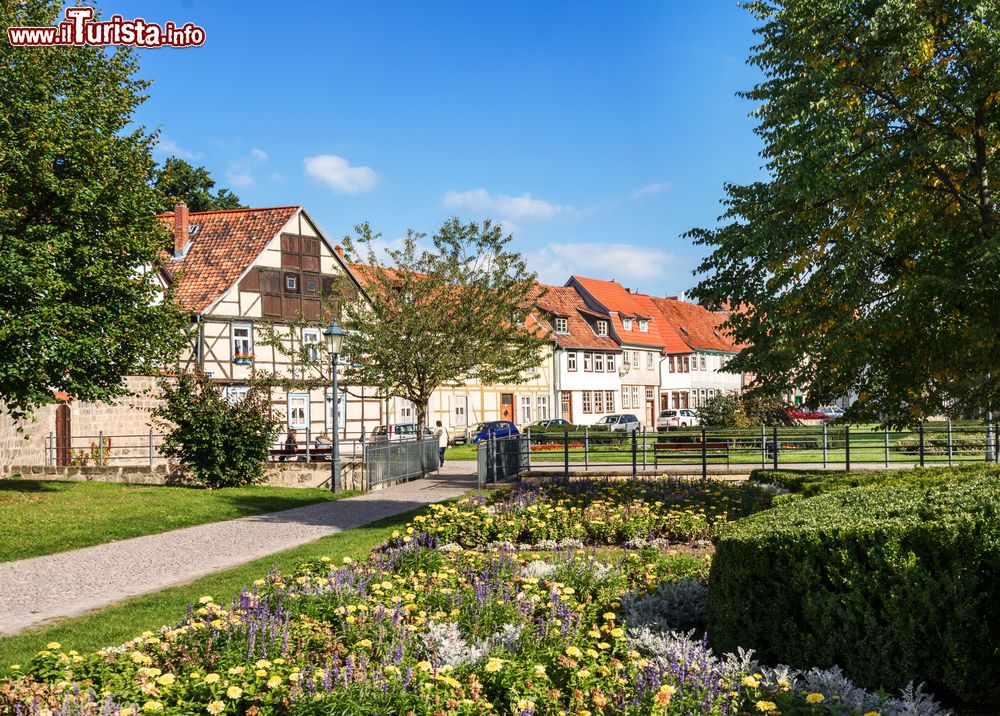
x,y
119,623
44,517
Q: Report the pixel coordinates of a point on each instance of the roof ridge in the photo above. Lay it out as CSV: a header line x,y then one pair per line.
x,y
233,211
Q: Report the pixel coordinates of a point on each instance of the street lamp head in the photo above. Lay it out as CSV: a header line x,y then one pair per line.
x,y
334,337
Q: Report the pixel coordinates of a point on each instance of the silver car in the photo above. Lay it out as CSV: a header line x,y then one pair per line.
x,y
620,423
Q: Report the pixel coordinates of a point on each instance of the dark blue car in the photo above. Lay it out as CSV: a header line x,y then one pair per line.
x,y
495,429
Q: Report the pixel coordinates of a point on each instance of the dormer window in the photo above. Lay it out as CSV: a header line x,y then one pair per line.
x,y
644,325
602,328
627,324
562,325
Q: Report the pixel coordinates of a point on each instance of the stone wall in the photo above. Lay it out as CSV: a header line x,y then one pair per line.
x,y
290,474
128,420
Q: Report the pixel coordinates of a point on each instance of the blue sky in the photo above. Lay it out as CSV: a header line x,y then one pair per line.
x,y
598,132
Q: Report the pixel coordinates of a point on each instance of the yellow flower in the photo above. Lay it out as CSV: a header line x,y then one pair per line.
x,y
493,665
814,698
263,664
766,706
573,651
166,680
525,705
274,682
873,713
617,632
53,645
211,678
215,708
664,694
751,682
152,706
583,673
234,692
540,669
205,600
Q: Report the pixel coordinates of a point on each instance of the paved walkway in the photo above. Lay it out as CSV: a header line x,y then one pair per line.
x,y
37,590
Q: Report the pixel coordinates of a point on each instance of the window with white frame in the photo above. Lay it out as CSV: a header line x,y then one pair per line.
x,y
242,339
599,362
626,398
602,328
585,399
236,393
649,393
542,407
298,411
562,325
571,361
525,409
609,362
341,409
649,361
404,411
588,362
703,363
599,401
460,410
311,342
635,360
644,325
635,397
627,324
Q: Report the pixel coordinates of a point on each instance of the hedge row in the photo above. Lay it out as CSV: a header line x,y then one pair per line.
x,y
816,482
892,584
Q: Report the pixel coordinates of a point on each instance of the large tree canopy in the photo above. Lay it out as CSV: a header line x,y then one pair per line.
x,y
79,304
869,261
458,311
180,181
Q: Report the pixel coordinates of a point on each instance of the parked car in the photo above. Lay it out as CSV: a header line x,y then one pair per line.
x,y
553,424
801,412
832,412
494,429
404,431
626,423
677,418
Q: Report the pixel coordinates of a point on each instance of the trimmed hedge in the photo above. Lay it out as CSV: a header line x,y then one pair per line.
x,y
817,482
892,584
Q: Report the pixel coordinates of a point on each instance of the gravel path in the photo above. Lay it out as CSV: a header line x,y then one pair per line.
x,y
34,591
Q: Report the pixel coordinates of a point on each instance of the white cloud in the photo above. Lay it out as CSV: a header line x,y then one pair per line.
x,y
508,209
259,154
167,146
338,174
651,189
628,264
277,177
239,178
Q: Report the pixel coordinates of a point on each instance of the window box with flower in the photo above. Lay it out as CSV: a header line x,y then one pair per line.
x,y
243,358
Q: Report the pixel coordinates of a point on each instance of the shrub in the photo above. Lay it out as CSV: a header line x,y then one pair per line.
x,y
892,584
219,443
816,482
937,444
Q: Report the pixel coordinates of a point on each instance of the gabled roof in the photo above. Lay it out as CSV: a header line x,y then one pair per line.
x,y
565,302
615,298
224,245
698,327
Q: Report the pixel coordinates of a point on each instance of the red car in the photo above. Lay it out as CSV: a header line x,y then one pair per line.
x,y
804,413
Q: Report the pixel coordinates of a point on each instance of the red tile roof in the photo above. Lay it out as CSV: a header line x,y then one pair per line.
x,y
614,297
226,243
702,329
565,302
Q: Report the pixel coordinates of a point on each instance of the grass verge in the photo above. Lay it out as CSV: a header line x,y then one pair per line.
x,y
121,622
39,517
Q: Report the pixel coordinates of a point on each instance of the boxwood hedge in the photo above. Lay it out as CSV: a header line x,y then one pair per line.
x,y
816,482
892,584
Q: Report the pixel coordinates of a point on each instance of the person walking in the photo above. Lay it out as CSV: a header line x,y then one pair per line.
x,y
442,437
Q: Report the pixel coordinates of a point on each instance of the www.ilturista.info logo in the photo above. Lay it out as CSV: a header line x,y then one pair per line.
x,y
79,28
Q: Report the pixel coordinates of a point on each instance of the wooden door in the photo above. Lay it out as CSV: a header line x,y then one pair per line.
x,y
566,406
650,413
507,406
64,434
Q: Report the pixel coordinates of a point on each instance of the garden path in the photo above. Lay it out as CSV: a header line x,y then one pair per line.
x,y
37,590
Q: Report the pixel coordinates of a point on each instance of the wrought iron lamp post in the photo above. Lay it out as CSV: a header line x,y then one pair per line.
x,y
334,342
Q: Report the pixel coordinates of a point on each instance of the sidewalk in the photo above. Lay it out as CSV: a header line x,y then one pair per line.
x,y
34,591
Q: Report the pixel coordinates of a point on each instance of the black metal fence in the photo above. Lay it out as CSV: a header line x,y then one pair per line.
x,y
502,459
728,450
395,460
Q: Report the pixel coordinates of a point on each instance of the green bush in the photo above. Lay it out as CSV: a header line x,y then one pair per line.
x,y
893,584
218,443
937,443
816,482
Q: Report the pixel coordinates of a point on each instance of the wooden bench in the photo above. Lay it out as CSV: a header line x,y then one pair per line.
x,y
282,454
713,450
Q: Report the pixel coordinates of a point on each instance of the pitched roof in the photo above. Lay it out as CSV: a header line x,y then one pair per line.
x,y
565,302
699,328
614,297
225,244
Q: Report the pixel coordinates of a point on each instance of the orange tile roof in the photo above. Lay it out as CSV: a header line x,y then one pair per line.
x,y
225,245
565,302
702,329
614,297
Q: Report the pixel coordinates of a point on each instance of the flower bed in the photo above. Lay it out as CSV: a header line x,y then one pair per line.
x,y
447,618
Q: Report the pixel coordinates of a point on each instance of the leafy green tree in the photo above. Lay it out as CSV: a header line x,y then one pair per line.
x,y
868,261
729,410
80,306
218,443
180,181
440,316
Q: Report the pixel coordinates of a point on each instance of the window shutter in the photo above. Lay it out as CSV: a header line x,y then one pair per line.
x,y
251,282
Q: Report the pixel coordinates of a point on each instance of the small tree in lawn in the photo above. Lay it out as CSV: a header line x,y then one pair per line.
x,y
218,442
457,312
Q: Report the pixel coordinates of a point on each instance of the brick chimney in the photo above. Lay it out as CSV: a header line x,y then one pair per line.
x,y
180,229
340,250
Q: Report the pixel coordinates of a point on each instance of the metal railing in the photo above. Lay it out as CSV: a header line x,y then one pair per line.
x,y
502,459
395,460
842,447
103,450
